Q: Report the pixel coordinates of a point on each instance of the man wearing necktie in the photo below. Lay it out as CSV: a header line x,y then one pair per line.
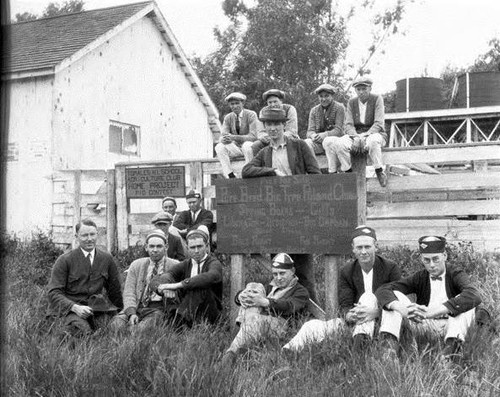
x,y
195,216
143,307
193,288
238,132
79,275
446,300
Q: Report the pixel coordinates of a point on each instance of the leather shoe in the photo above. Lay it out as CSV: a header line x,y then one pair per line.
x,y
382,178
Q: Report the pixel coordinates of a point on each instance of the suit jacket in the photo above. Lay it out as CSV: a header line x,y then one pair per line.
x,y
210,277
374,117
462,294
175,248
326,124
74,281
185,221
248,125
300,158
351,285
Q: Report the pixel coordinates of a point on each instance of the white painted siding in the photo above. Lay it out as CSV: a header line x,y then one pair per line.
x,y
133,78
28,181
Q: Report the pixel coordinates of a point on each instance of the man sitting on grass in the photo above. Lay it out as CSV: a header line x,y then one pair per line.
x,y
79,275
283,299
446,300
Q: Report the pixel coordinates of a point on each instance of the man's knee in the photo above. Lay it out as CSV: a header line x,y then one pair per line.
x,y
368,299
220,148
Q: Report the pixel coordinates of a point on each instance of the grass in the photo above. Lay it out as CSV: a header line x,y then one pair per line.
x,y
162,362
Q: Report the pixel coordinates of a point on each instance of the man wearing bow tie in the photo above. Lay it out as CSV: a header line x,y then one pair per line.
x,y
445,299
193,288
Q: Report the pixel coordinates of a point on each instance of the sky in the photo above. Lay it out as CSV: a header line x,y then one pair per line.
x,y
436,33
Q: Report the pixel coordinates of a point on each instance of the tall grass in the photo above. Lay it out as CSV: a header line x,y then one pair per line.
x,y
165,362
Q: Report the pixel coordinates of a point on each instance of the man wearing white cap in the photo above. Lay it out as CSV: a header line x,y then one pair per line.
x,y
358,305
326,125
239,131
283,299
143,307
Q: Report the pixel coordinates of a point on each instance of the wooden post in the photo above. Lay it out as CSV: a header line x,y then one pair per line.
x,y
121,209
237,283
359,167
77,199
110,211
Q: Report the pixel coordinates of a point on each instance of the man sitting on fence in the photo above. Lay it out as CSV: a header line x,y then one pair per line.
x,y
285,156
77,281
143,307
193,288
446,300
267,312
358,282
195,216
238,133
175,245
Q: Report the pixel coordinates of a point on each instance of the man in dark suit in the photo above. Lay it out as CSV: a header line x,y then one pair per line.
x,y
358,305
77,276
175,248
445,303
193,288
190,219
283,157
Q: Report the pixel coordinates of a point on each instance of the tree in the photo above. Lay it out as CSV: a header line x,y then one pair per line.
x,y
52,10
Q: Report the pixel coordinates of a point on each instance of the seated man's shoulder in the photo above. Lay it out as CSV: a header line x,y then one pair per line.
x,y
249,112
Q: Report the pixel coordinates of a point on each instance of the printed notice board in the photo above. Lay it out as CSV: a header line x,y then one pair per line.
x,y
155,182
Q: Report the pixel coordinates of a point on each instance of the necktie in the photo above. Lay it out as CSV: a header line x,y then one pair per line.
x,y
89,259
436,278
193,217
147,295
237,123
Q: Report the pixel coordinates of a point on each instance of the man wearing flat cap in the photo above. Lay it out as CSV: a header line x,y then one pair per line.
x,y
357,302
143,307
283,300
193,287
274,99
77,276
364,123
326,125
175,247
285,156
169,204
239,131
445,303
195,216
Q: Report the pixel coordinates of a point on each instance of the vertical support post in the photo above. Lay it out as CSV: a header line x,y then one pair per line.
x,y
426,133
77,199
392,135
359,167
468,130
237,283
467,89
110,211
332,266
407,94
121,208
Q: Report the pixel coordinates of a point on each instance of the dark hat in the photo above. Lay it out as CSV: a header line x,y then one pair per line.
x,y
236,96
156,233
193,194
362,81
431,244
200,232
162,216
99,303
282,261
169,199
325,87
363,230
273,92
273,115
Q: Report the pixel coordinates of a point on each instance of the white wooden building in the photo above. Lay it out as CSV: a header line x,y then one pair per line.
x,y
89,90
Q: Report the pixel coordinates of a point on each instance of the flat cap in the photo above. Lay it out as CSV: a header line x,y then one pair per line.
x,y
156,233
202,232
238,96
431,244
362,81
282,261
364,230
162,216
193,194
326,88
273,92
273,115
168,198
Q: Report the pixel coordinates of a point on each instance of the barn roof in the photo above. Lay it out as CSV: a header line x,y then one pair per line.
x,y
47,45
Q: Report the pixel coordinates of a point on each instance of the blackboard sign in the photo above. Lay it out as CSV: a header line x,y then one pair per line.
x,y
155,182
294,214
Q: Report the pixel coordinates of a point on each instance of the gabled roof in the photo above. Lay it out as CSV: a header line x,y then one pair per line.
x,y
45,46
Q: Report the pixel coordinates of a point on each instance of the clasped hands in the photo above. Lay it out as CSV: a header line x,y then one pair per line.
x,y
167,290
359,143
361,314
251,299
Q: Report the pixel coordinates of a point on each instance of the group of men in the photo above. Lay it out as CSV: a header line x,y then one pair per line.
x,y
334,130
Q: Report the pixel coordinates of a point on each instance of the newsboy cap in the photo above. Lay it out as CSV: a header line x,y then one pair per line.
x,y
273,115
273,92
326,88
431,244
282,261
362,81
200,232
162,216
156,233
364,230
193,194
168,198
236,96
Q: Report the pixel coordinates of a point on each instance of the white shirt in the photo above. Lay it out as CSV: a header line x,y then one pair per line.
x,y
362,112
368,280
280,158
194,268
194,215
91,253
438,290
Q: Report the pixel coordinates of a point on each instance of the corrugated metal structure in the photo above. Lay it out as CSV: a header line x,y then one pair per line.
x,y
478,89
419,93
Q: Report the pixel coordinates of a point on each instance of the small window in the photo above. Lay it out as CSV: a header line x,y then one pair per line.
x,y
124,138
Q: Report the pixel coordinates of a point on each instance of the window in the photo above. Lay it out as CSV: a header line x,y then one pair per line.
x,y
124,138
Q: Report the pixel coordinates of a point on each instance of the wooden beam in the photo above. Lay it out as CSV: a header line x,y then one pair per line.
x,y
77,175
110,211
443,113
237,284
332,266
121,209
